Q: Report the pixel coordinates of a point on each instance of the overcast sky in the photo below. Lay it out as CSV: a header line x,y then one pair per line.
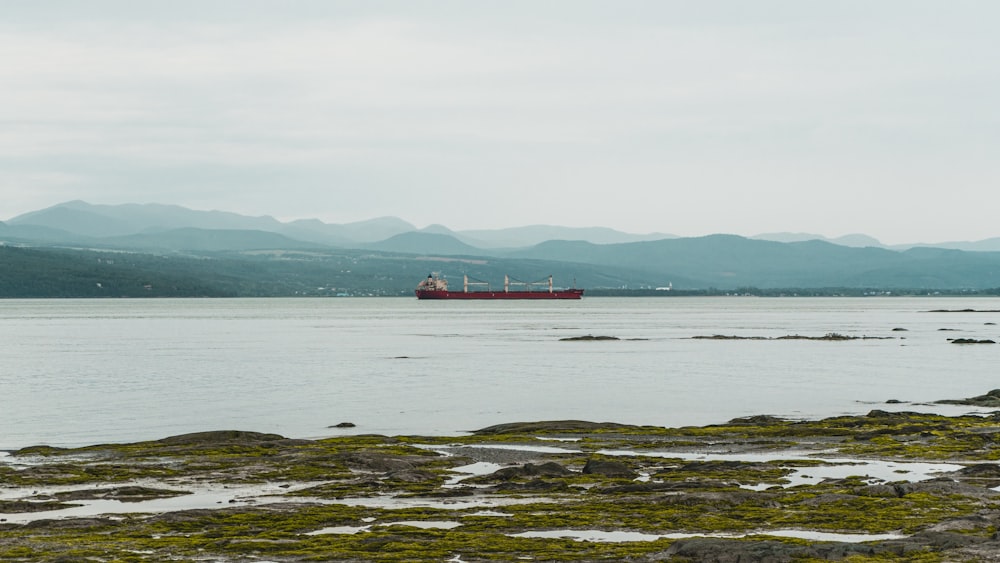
x,y
683,117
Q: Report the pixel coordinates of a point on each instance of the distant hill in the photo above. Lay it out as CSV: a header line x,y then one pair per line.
x,y
70,219
29,273
986,245
117,220
84,219
729,261
35,233
208,240
378,229
854,240
531,235
427,244
387,256
47,272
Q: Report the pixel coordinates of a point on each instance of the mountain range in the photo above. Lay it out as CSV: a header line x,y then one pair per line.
x,y
388,255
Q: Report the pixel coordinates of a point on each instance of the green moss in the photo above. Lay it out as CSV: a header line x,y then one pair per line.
x,y
684,496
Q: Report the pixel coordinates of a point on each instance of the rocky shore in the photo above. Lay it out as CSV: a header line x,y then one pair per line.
x,y
886,486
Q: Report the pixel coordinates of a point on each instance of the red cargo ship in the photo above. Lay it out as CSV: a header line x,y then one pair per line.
x,y
436,288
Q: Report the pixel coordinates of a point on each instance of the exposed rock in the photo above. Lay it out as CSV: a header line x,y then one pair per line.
x,y
72,523
658,487
411,476
500,456
721,550
456,492
982,470
828,336
878,413
983,520
39,450
964,311
548,469
971,341
881,490
179,516
944,486
717,550
587,338
381,463
535,485
122,494
727,337
757,420
945,540
827,498
552,426
73,559
986,551
393,466
220,437
990,399
609,469
719,499
24,506
981,474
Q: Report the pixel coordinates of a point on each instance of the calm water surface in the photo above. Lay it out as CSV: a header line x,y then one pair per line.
x,y
76,372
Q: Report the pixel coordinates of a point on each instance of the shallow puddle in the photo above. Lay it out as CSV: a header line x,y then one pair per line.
x,y
201,497
832,468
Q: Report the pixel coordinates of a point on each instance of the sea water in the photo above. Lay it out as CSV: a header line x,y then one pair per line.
x,y
77,372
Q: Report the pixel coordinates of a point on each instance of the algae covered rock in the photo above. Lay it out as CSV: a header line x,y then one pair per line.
x,y
552,426
548,469
216,437
609,468
990,399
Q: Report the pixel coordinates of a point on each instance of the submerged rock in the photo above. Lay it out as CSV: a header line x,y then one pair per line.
x,y
830,336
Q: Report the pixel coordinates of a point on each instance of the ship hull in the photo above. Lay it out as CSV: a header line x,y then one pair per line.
x,y
445,294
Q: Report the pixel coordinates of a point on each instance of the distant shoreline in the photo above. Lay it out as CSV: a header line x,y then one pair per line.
x,y
591,293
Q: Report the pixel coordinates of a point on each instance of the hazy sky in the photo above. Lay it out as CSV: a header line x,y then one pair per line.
x,y
684,117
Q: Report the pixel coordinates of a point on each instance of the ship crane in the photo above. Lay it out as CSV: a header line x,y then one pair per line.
x,y
467,283
527,285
